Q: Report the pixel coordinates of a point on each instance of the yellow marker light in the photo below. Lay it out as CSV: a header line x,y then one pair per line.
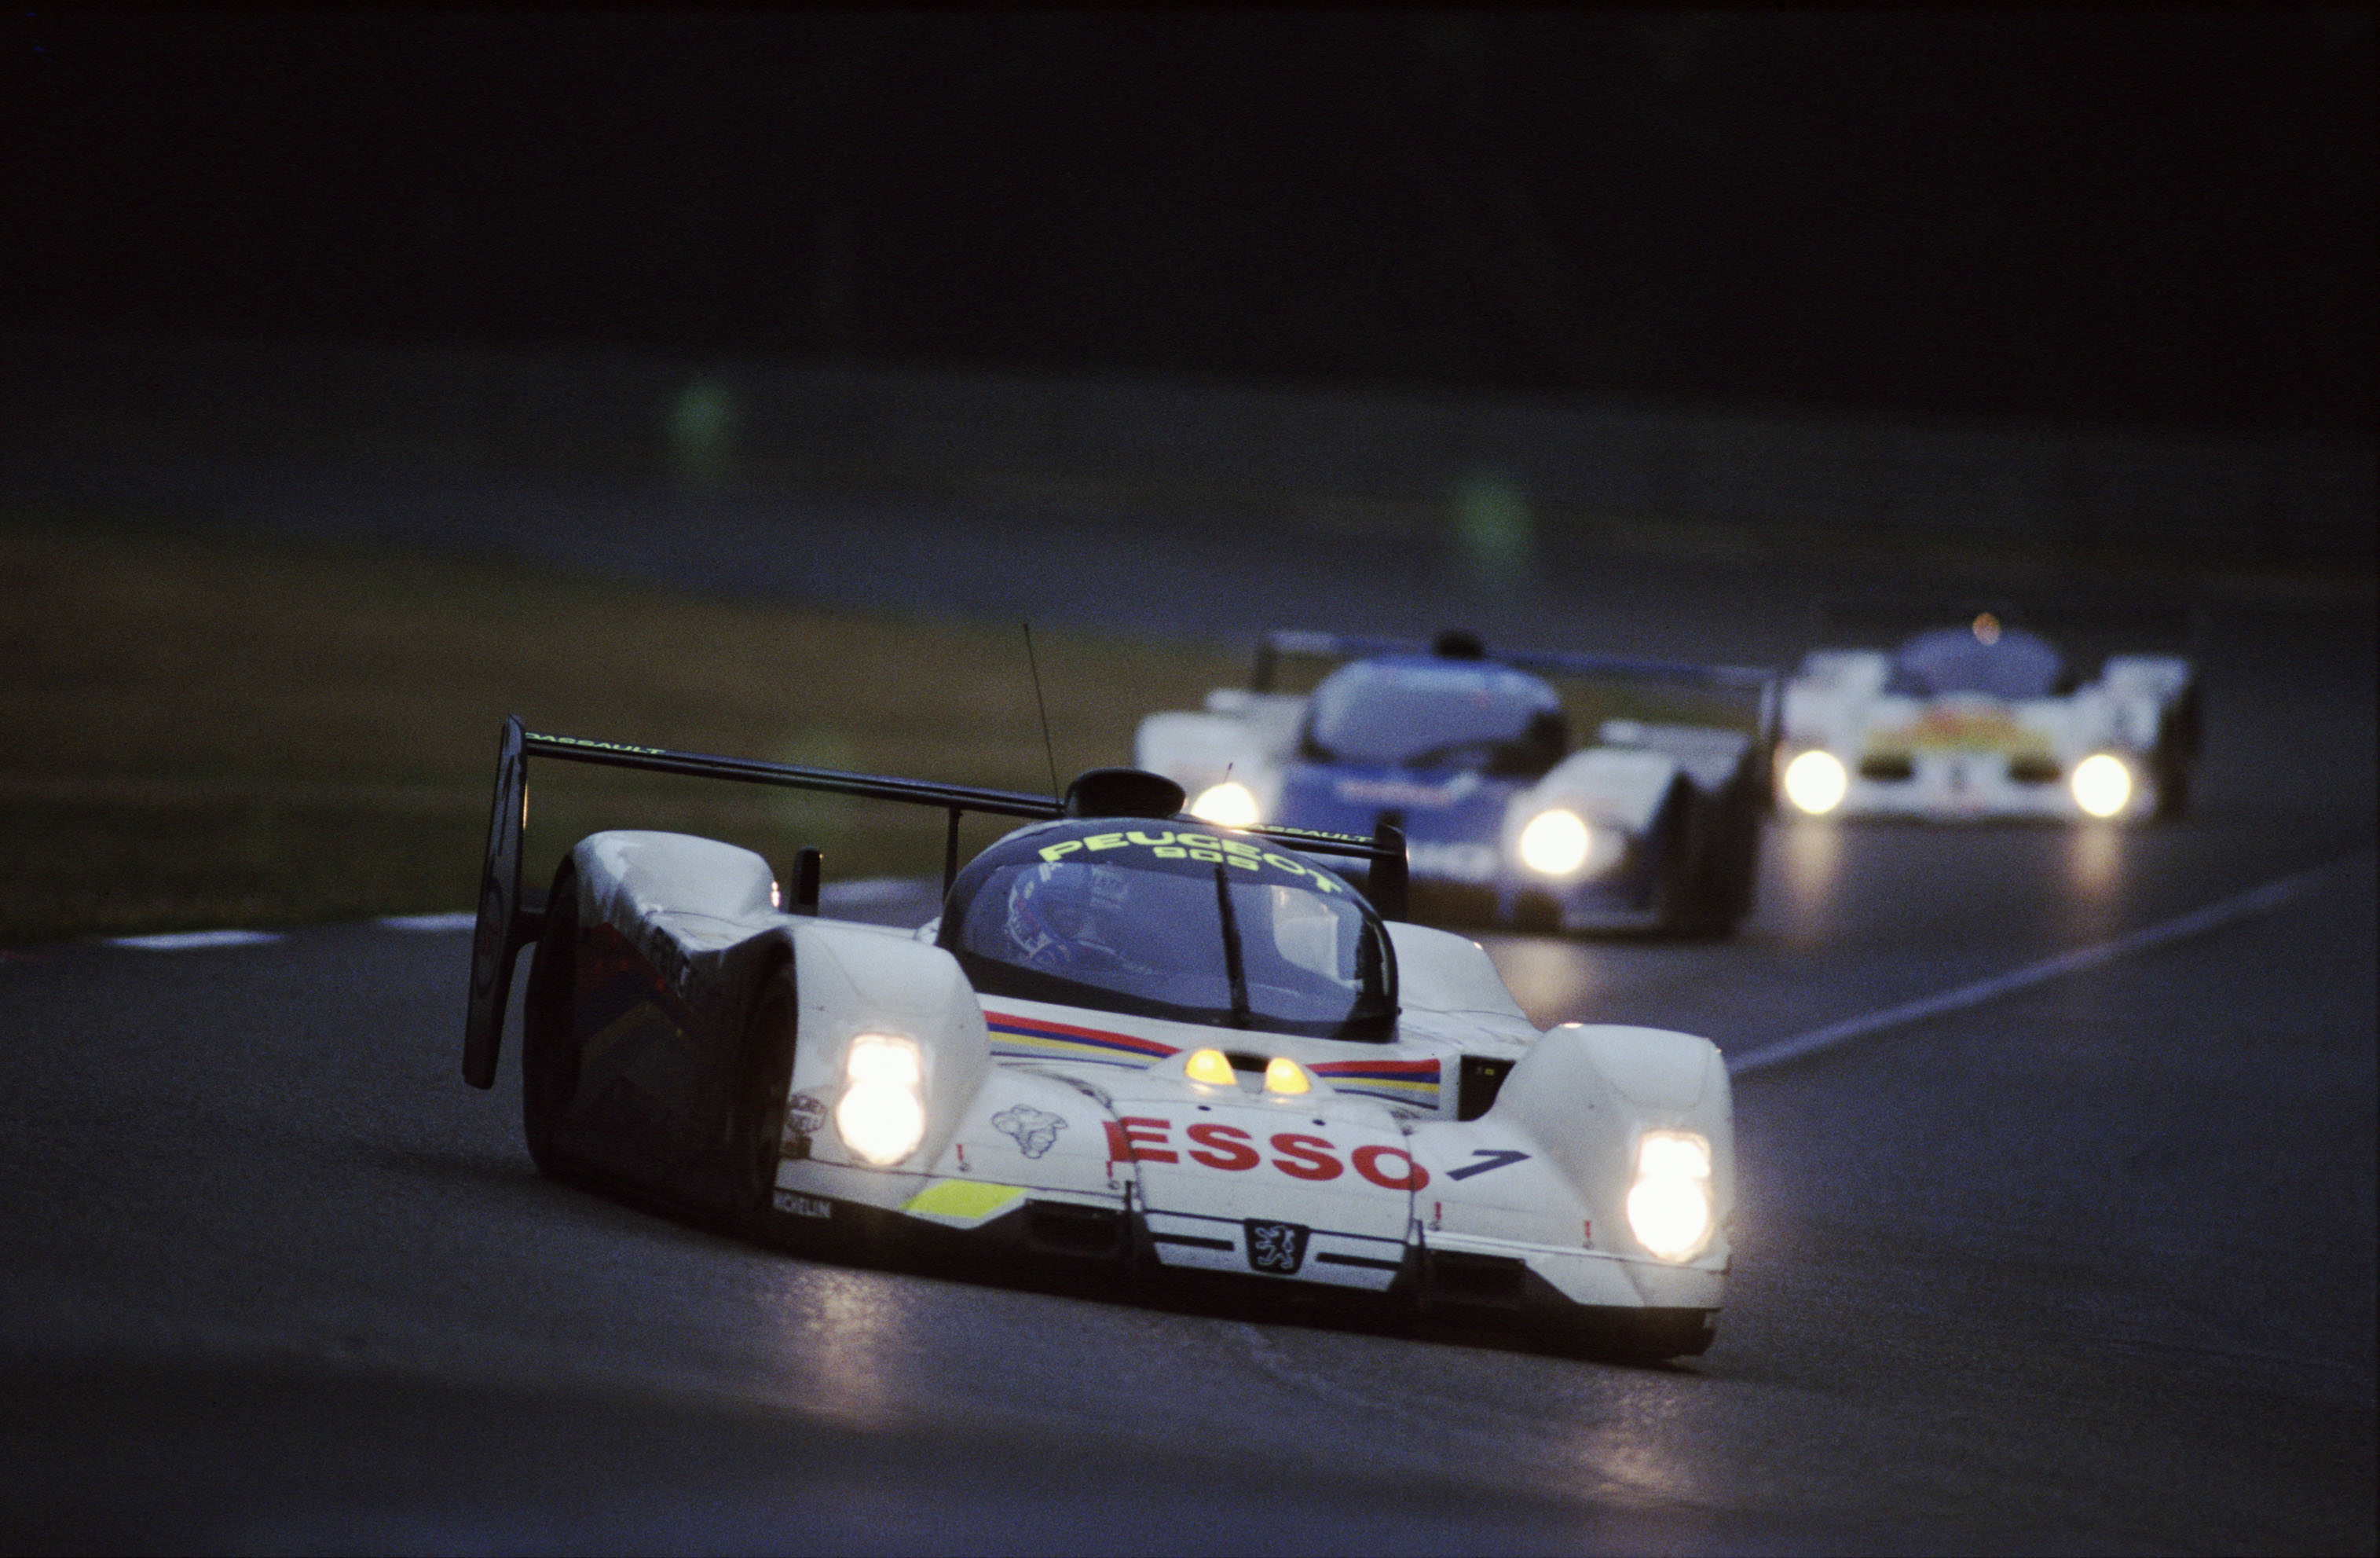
x,y
882,1117
2103,786
1555,843
1816,782
1670,1206
1210,1066
1285,1075
1228,805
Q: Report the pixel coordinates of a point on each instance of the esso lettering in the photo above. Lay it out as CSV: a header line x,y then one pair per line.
x,y
1367,1163
1139,1138
1306,1157
1136,1139
1222,1146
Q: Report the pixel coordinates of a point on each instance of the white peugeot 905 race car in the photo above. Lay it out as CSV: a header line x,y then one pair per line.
x,y
1987,720
1130,1038
1644,824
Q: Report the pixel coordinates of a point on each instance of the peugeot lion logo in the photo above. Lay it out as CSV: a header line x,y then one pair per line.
x,y
1278,1248
1034,1131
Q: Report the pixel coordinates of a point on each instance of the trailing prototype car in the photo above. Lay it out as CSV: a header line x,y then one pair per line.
x,y
1986,719
1647,826
1131,1038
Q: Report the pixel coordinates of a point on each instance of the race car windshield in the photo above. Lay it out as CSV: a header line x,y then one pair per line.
x,y
2011,665
1244,937
1427,715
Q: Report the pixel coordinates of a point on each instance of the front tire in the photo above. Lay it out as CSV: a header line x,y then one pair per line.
x,y
549,1026
1636,1336
756,1102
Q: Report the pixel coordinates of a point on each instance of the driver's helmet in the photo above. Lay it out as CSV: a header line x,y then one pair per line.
x,y
1061,913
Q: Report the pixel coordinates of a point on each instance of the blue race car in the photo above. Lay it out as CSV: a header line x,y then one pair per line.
x,y
1648,826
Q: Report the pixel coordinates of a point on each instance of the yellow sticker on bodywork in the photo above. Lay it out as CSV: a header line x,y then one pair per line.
x,y
1960,730
963,1200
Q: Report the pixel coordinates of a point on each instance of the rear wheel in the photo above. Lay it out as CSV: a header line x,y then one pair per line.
x,y
1734,862
548,1036
2176,754
1679,905
756,1102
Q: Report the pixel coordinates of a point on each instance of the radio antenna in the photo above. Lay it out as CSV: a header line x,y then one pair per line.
x,y
1047,749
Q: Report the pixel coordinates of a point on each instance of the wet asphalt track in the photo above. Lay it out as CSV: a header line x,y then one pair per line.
x,y
2088,1267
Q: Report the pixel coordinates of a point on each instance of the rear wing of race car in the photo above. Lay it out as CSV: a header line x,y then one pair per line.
x,y
2081,621
509,920
1761,683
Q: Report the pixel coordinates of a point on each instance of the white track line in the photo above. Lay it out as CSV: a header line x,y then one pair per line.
x,y
189,941
2256,901
461,919
876,889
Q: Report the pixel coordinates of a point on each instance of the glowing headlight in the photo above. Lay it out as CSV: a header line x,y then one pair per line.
x,y
1210,1066
1670,1206
1228,805
1285,1075
1555,843
881,1117
2102,784
1816,782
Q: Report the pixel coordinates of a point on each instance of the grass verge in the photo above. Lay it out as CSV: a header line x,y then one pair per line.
x,y
211,731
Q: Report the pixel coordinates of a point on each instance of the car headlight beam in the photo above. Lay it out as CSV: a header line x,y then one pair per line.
x,y
1228,805
1210,1066
1283,1074
1816,782
1556,842
2102,784
882,1115
1669,1202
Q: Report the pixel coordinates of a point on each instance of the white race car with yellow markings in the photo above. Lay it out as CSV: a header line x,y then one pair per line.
x,y
1130,1037
1987,719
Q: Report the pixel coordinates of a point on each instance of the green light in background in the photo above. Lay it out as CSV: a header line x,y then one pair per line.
x,y
1495,531
702,429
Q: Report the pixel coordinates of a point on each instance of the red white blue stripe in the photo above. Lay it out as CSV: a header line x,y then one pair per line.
x,y
1397,1081
1022,1037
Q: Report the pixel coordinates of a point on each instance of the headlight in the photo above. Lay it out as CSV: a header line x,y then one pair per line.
x,y
1228,805
1670,1206
1556,842
2102,784
1210,1066
1816,782
882,1116
1283,1074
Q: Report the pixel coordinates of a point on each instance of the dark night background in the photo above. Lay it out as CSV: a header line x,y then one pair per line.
x,y
2112,217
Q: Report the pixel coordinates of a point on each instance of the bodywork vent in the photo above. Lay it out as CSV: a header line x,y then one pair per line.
x,y
1481,1079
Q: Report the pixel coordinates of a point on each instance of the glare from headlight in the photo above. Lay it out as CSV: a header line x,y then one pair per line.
x,y
1555,843
1816,782
1228,805
2103,786
1670,1206
880,1116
